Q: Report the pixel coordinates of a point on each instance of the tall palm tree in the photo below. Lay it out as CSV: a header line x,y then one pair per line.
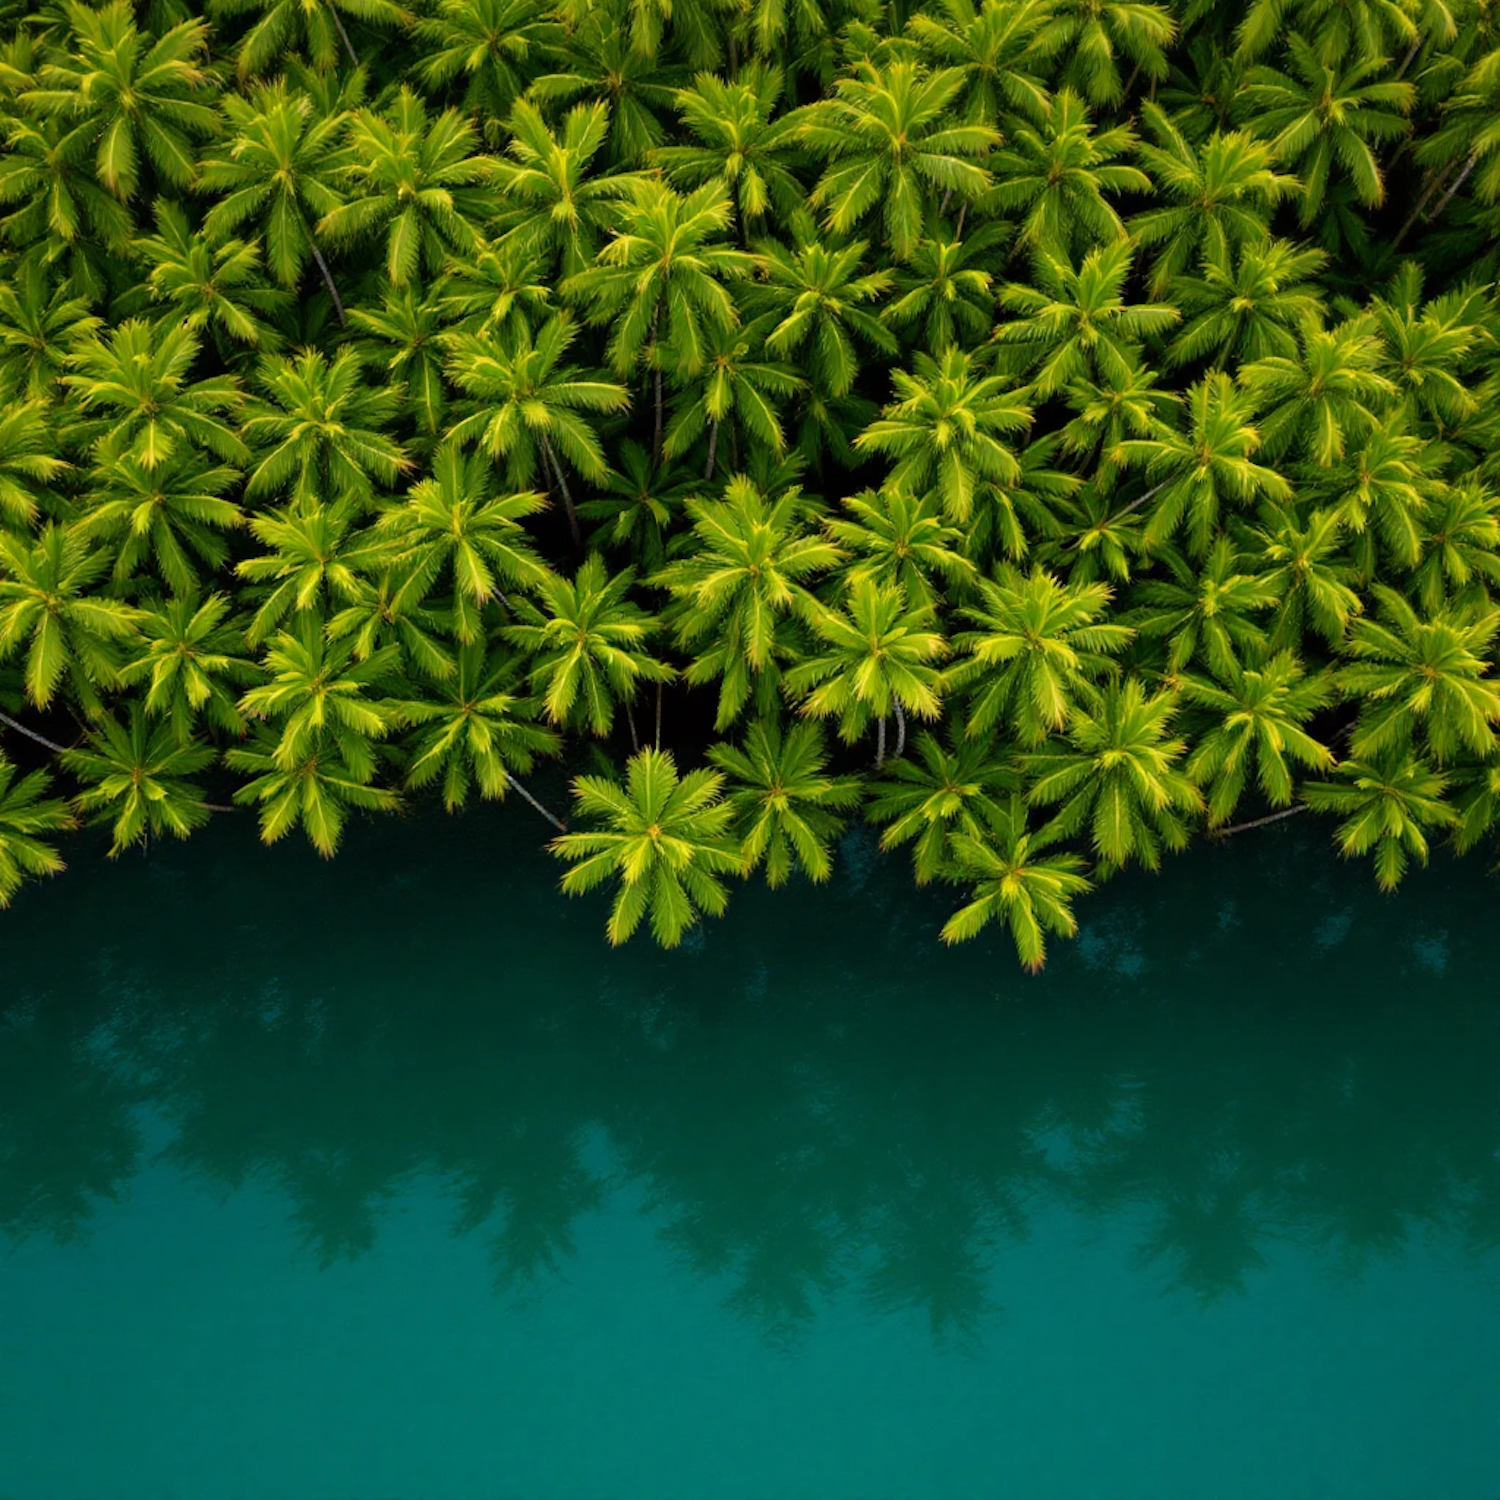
x,y
746,572
1015,885
417,183
318,429
557,203
891,536
42,320
134,95
1388,805
735,142
947,430
475,729
1219,196
280,166
135,777
1311,574
1322,116
786,804
531,408
68,634
1098,35
191,652
1118,773
586,641
494,46
1430,675
139,381
874,658
453,522
1075,321
401,337
946,787
889,142
27,815
1258,718
1037,647
28,460
665,838
946,290
1004,51
1055,174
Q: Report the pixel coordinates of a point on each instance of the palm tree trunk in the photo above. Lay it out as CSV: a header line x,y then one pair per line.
x,y
567,495
880,742
658,716
963,213
1463,177
635,740
900,730
1275,817
552,818
656,430
333,291
713,448
348,45
1438,179
31,734
1406,61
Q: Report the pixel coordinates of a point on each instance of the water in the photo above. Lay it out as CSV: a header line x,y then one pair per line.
x,y
387,1179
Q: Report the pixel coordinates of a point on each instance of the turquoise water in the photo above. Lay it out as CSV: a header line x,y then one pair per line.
x,y
387,1179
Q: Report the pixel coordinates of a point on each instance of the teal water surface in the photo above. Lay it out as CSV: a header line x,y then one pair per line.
x,y
387,1179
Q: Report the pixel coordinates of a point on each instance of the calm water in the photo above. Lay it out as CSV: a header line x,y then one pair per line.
x,y
387,1179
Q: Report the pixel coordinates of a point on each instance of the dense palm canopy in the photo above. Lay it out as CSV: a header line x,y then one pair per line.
x,y
1047,429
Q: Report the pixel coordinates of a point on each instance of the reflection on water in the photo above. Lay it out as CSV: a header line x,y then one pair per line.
x,y
817,1105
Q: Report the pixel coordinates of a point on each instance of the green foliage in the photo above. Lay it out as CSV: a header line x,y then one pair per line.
x,y
396,398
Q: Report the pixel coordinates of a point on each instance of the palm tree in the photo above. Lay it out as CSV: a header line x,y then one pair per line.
x,y
1197,473
139,376
453,520
319,429
1384,489
637,505
314,28
135,777
947,430
1004,51
401,337
896,538
665,838
28,459
1118,773
786,804
587,644
1038,647
818,301
279,167
736,387
1431,675
41,323
173,517
1205,613
1056,174
1220,197
494,46
946,290
1388,805
941,790
747,571
1460,548
191,653
662,280
331,779
888,142
475,729
26,815
1322,116
1330,390
133,94
1246,304
414,181
1259,714
736,143
1015,885
874,657
1311,575
1097,34
529,406
48,611
1075,322
496,290
221,287
558,204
